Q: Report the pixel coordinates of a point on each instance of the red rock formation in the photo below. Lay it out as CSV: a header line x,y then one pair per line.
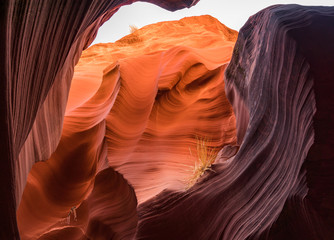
x,y
280,183
108,213
40,43
139,104
278,186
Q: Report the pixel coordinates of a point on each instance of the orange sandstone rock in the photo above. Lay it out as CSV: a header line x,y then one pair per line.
x,y
136,105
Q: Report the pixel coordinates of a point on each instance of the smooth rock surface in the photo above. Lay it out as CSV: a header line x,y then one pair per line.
x,y
140,113
40,43
280,183
136,105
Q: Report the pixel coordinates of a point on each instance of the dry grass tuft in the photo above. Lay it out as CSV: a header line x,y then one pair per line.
x,y
205,158
133,28
132,38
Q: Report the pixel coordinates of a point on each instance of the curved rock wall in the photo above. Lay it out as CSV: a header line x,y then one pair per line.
x,y
278,82
136,105
41,42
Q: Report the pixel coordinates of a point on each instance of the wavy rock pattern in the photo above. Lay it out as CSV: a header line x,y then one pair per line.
x,y
140,120
279,184
108,213
64,180
155,120
40,43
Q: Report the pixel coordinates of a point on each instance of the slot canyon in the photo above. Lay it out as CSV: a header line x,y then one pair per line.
x,y
182,129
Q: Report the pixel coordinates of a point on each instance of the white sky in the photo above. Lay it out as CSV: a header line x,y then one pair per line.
x,y
232,13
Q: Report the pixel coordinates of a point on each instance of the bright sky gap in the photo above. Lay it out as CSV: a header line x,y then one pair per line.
x,y
233,14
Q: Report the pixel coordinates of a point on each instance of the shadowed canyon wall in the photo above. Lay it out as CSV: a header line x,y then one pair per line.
x,y
136,105
280,183
97,180
40,43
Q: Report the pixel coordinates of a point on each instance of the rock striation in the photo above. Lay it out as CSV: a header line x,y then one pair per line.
x,y
279,184
135,106
109,152
40,43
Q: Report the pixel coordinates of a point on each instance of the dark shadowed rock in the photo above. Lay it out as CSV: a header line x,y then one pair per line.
x,y
280,183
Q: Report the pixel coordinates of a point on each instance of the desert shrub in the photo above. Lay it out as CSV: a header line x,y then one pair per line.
x,y
133,28
132,38
205,158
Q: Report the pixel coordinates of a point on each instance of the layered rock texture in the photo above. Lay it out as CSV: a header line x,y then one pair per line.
x,y
116,147
40,43
280,183
137,106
